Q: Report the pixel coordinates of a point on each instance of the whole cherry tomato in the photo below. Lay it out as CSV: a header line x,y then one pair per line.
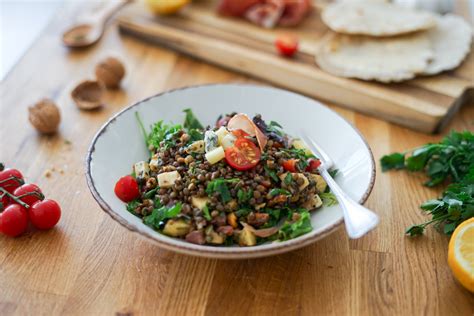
x,y
5,200
14,220
126,189
286,45
313,164
12,184
32,191
243,155
290,165
45,214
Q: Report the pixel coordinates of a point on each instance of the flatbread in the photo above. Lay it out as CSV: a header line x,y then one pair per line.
x,y
450,41
368,58
375,18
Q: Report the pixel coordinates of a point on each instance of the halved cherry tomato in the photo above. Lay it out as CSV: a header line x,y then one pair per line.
x,y
286,45
290,165
240,133
126,189
12,184
32,193
313,164
14,220
243,155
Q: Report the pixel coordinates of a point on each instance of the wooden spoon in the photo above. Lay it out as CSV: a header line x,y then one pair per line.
x,y
91,28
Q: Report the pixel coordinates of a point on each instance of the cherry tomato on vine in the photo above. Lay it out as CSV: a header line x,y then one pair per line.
x,y
5,200
290,165
243,155
45,214
14,220
313,164
126,189
33,192
12,184
286,45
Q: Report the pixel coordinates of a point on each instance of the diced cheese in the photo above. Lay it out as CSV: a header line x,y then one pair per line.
x,y
210,141
154,163
199,202
314,202
142,169
228,141
321,184
299,144
221,133
167,179
196,147
215,155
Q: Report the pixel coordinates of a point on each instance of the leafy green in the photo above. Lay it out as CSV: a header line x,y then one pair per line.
x,y
159,132
190,121
271,173
276,128
329,199
288,179
158,215
243,212
219,185
131,206
291,230
244,195
277,191
452,159
150,194
205,211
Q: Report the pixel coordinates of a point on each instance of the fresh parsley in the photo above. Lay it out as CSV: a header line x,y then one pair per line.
x,y
190,120
220,185
244,195
206,213
277,191
271,173
452,159
158,215
291,230
288,179
131,206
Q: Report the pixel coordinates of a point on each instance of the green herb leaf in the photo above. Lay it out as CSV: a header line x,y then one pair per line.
x,y
271,173
160,214
415,230
393,161
219,185
131,206
190,121
276,191
288,179
329,199
205,211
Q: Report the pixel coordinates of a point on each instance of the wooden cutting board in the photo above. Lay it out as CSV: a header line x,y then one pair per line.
x,y
426,104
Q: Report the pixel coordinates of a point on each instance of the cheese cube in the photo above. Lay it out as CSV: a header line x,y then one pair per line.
x,y
167,179
221,133
215,155
142,169
199,202
228,141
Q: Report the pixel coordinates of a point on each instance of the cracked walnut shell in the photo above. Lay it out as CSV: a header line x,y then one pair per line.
x,y
45,116
110,72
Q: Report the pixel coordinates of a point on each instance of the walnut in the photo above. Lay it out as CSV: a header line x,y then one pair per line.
x,y
45,116
88,95
110,72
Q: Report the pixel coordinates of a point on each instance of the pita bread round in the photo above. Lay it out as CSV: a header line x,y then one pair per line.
x,y
375,18
450,41
368,58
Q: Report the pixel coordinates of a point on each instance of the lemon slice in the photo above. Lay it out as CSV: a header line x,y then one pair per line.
x,y
166,6
461,254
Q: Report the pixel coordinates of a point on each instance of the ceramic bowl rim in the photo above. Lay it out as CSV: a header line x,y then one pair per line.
x,y
218,252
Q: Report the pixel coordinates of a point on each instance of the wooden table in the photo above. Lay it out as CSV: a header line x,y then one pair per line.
x,y
90,265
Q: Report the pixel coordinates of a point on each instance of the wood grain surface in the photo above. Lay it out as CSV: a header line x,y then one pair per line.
x,y
90,265
424,104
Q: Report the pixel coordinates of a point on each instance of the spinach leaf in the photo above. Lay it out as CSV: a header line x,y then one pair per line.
x,y
160,214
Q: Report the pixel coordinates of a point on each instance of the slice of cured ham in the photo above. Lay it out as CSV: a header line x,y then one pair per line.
x,y
243,122
266,14
235,7
294,12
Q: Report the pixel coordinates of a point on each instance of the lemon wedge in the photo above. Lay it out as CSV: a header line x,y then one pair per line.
x,y
461,254
166,6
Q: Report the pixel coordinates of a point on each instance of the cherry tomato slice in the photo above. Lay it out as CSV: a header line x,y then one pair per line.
x,y
126,189
286,45
313,164
45,214
290,165
10,185
14,220
31,191
243,155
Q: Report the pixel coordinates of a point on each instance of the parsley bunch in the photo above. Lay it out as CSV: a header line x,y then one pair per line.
x,y
451,160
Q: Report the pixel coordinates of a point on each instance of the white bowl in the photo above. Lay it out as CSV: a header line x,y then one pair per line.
x,y
119,144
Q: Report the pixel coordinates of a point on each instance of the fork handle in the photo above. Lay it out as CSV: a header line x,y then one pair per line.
x,y
358,219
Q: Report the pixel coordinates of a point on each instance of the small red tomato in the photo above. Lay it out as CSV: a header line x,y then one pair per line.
x,y
243,155
14,220
290,165
45,214
32,193
126,189
5,200
12,184
313,164
240,133
286,45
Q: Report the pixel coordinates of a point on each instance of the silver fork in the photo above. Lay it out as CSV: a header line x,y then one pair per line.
x,y
358,219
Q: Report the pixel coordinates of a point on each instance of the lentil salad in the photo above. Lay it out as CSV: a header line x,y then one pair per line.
x,y
243,181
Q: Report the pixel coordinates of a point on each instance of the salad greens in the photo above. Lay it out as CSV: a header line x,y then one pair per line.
x,y
292,230
450,160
